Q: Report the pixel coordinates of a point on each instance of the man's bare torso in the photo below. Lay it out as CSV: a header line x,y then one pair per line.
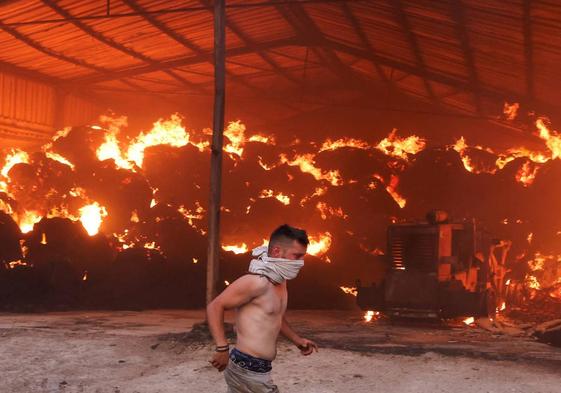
x,y
258,322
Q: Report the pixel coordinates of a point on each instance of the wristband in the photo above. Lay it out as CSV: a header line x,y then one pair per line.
x,y
222,348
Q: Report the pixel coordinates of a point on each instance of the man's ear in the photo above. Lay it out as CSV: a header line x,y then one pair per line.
x,y
275,252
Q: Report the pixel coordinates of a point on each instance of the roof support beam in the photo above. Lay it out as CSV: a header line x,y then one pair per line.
x,y
122,48
363,38
528,50
459,17
460,84
180,38
309,32
49,52
185,61
402,20
247,41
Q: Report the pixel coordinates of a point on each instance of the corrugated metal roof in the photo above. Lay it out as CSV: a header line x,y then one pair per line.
x,y
460,53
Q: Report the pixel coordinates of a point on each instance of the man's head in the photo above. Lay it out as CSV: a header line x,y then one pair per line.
x,y
288,242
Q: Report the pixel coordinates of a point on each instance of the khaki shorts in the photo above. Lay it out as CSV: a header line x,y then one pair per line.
x,y
240,380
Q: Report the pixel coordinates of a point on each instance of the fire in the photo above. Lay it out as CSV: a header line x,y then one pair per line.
x,y
195,261
349,290
320,245
511,110
92,216
235,132
371,315
164,132
326,210
306,163
14,264
469,321
552,139
59,158
390,188
262,139
284,199
14,157
43,238
460,146
110,149
345,142
134,216
526,174
85,276
27,220
236,248
398,147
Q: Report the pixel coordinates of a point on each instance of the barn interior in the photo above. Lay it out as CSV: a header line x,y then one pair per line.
x,y
343,117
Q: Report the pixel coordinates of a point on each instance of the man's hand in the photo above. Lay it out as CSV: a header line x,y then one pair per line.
x,y
306,347
220,360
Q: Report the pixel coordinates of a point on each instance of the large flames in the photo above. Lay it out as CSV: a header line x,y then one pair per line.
x,y
310,181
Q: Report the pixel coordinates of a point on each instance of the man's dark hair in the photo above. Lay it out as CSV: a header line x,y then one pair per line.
x,y
286,232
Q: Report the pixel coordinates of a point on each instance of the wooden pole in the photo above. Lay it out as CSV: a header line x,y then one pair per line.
x,y
216,149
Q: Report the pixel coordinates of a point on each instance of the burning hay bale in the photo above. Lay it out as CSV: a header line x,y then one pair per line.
x,y
122,211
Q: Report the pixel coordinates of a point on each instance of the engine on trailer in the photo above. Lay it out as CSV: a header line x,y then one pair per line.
x,y
438,268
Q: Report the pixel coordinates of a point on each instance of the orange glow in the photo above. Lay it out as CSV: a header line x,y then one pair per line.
x,y
398,147
14,264
110,149
469,321
526,174
164,132
460,146
43,238
284,199
349,290
195,261
328,211
190,215
236,248
344,142
320,245
552,139
92,216
14,157
391,189
59,158
306,163
235,132
27,220
85,276
262,139
511,110
370,315
5,207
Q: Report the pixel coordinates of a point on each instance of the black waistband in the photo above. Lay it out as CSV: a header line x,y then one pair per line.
x,y
249,362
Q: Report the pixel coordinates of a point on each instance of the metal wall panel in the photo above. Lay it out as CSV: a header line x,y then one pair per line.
x,y
29,110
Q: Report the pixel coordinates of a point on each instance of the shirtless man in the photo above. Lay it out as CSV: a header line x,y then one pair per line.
x,y
260,299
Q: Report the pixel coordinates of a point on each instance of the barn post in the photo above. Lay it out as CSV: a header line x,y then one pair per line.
x,y
213,261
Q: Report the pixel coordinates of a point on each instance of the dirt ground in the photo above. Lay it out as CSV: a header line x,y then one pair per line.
x,y
149,352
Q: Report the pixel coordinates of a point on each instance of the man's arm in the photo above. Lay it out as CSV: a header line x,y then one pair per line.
x,y
235,295
305,346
